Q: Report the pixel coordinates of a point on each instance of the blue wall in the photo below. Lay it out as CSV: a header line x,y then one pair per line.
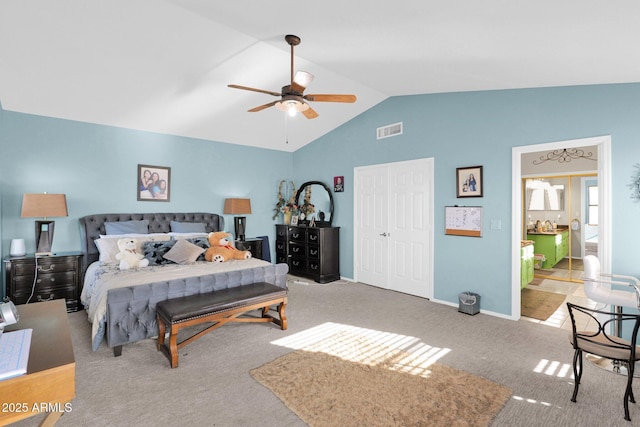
x,y
96,167
480,128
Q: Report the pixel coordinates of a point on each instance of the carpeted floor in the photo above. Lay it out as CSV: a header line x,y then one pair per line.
x,y
213,385
540,304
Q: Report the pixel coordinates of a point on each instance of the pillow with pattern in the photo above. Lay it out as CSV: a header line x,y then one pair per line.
x,y
155,251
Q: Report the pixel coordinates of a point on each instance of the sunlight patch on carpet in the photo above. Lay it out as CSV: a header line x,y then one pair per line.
x,y
398,352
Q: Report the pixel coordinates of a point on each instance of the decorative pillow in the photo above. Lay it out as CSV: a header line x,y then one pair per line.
x,y
127,227
201,242
188,227
108,245
155,251
184,252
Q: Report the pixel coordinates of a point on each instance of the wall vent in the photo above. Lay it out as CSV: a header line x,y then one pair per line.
x,y
389,130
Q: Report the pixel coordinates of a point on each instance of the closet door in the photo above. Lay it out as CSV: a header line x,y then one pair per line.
x,y
394,223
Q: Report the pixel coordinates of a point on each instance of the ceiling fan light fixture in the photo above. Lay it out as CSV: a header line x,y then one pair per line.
x,y
303,78
292,106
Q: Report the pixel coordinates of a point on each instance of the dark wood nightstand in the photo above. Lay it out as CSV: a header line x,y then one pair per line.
x,y
252,245
56,276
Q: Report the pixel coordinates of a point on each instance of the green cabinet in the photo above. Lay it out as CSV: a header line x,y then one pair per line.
x,y
553,245
526,265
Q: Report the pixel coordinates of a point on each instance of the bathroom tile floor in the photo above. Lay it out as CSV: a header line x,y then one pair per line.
x,y
574,294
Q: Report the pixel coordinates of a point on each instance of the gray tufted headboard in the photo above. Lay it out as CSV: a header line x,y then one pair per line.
x,y
92,226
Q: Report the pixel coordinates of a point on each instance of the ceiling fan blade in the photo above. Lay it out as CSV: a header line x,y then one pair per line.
x,y
310,113
268,92
262,107
330,98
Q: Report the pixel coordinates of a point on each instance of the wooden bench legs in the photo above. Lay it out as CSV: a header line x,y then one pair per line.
x,y
170,348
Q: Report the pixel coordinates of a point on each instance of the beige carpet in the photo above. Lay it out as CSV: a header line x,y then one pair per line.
x,y
540,304
327,390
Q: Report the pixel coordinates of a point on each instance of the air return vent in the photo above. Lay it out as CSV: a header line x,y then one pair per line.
x,y
389,130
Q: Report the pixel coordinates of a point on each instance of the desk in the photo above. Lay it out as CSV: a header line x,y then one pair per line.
x,y
50,382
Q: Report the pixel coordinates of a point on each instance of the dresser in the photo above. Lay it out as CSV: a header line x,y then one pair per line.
x,y
56,276
312,252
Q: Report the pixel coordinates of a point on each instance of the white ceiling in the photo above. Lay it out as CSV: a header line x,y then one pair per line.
x,y
164,65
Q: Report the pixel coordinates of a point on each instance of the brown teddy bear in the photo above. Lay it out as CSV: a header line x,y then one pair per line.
x,y
220,249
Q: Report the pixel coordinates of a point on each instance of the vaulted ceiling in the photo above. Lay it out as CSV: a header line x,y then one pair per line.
x,y
164,65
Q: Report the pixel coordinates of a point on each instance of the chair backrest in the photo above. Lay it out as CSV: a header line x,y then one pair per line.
x,y
603,342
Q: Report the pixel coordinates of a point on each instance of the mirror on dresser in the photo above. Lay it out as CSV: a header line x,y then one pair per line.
x,y
315,199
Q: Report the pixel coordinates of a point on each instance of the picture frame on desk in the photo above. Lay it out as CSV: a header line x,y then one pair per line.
x,y
294,220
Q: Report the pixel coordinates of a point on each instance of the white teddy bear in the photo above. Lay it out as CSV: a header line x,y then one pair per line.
x,y
128,256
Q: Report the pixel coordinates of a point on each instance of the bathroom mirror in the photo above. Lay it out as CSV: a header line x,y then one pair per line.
x,y
321,199
542,195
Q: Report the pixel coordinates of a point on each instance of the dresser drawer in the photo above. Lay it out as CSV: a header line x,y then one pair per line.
x,y
297,250
69,294
45,266
298,265
45,281
281,247
297,235
314,252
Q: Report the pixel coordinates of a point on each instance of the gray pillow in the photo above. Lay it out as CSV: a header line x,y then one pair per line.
x,y
127,227
184,252
188,227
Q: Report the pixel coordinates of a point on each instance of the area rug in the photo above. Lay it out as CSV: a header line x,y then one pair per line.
x,y
540,304
327,390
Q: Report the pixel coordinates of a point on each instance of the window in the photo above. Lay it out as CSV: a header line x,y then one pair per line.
x,y
592,205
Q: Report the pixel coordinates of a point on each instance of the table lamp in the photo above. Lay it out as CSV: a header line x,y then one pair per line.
x,y
44,205
238,206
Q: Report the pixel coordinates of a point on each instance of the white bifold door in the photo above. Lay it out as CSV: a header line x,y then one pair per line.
x,y
394,226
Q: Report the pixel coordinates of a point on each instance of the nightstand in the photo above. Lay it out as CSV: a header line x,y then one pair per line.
x,y
58,277
252,245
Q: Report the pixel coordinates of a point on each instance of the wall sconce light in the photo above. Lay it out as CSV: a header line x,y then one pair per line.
x,y
44,205
238,206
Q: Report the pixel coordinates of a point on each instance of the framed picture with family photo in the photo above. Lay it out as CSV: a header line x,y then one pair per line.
x,y
469,181
154,183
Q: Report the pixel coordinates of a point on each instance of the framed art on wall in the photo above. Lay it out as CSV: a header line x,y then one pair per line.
x,y
154,183
469,181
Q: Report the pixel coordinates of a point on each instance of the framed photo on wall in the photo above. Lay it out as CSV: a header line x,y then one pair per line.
x,y
338,184
469,181
154,183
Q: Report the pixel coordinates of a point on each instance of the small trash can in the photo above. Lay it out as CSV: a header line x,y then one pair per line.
x,y
469,303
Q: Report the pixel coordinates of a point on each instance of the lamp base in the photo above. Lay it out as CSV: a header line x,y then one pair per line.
x,y
239,222
44,237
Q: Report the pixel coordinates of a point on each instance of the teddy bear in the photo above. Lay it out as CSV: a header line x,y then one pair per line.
x,y
220,249
128,256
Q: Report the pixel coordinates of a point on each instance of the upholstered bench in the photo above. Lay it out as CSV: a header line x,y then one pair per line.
x,y
218,307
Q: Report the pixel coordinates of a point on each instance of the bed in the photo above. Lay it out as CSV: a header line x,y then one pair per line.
x,y
121,303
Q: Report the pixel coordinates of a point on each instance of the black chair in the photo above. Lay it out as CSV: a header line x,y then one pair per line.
x,y
602,342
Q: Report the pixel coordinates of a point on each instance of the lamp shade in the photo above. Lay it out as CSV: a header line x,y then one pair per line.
x,y
43,205
237,206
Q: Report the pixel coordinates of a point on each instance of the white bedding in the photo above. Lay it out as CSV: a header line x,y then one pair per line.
x,y
100,278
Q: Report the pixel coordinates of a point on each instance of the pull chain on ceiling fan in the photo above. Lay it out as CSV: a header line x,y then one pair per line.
x,y
292,98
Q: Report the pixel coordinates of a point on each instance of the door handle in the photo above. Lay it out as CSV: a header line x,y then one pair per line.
x,y
385,234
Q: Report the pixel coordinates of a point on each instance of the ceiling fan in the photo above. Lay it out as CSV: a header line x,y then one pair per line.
x,y
292,98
